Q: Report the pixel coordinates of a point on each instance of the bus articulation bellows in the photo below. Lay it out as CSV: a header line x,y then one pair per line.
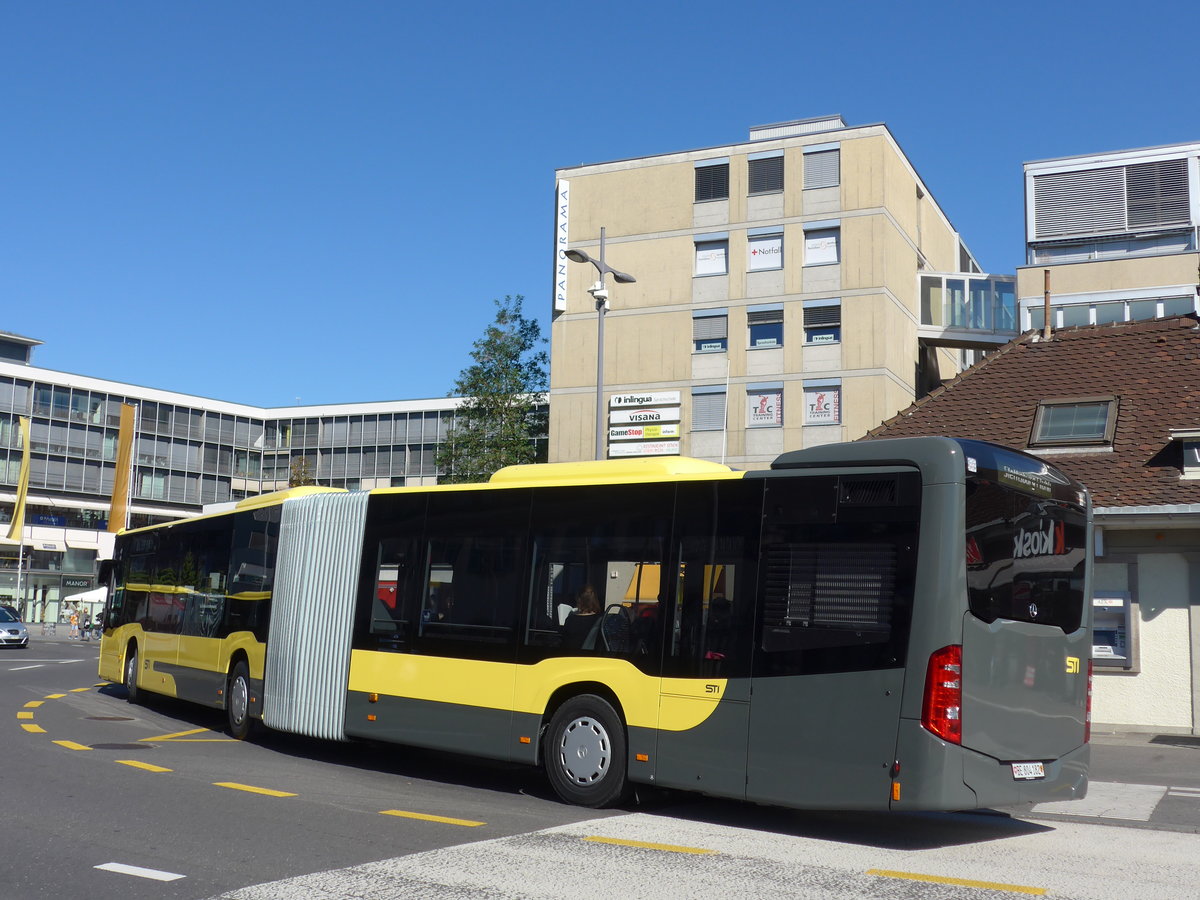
x,y
896,624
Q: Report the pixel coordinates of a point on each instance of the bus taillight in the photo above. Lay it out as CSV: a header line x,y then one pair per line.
x,y
941,713
1087,719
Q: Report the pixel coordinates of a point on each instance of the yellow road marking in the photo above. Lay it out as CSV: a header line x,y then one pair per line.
x,y
252,789
961,882
34,704
71,745
138,764
79,690
55,696
466,823
34,729
24,715
670,848
183,734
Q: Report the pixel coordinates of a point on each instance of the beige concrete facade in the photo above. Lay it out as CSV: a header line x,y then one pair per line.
x,y
887,226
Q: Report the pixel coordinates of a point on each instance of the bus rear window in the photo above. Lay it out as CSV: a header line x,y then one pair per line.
x,y
1026,557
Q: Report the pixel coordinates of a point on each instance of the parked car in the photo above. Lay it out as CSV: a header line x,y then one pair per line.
x,y
12,610
12,632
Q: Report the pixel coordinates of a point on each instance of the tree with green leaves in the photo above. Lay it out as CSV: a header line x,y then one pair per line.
x,y
301,473
503,412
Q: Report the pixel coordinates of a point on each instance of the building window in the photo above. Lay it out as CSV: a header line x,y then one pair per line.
x,y
765,325
710,331
712,180
822,321
823,402
766,174
822,246
712,256
708,409
764,406
765,250
822,167
1085,420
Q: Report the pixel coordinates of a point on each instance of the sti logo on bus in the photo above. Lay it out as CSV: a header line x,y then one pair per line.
x,y
1050,542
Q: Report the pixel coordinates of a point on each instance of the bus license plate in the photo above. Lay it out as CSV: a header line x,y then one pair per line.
x,y
1028,771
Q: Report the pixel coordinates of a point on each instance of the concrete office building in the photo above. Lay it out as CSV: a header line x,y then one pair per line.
x,y
792,290
189,452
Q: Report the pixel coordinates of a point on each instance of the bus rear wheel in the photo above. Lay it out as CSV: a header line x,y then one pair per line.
x,y
237,702
132,694
585,753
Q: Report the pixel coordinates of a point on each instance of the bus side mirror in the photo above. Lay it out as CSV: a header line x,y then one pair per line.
x,y
105,573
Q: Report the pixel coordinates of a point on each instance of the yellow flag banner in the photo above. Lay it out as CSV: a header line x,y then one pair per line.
x,y
18,518
119,507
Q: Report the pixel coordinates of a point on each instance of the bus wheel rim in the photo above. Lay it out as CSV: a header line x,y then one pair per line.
x,y
238,699
585,751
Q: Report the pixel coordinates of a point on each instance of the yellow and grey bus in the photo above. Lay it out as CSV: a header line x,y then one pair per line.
x,y
895,624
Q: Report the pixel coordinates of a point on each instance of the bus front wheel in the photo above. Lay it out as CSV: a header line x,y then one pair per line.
x,y
132,694
585,753
237,702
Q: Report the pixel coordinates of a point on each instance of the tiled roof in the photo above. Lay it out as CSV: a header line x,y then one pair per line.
x,y
1152,367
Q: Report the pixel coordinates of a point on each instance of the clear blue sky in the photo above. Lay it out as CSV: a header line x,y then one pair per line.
x,y
267,201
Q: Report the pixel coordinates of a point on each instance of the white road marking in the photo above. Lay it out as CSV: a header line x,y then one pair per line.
x,y
1184,792
1106,800
156,874
21,668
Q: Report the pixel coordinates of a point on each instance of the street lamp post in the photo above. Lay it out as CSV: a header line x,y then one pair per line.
x,y
600,294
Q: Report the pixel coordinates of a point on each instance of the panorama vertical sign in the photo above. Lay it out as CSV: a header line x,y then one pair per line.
x,y
562,216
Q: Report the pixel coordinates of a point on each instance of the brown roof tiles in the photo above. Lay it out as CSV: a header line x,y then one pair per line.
x,y
1152,367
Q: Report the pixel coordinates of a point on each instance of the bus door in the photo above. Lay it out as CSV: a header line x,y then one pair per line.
x,y
836,589
704,697
160,655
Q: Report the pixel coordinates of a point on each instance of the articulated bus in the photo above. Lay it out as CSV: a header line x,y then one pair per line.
x,y
895,624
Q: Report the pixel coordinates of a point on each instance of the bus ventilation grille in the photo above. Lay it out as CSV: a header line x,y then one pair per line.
x,y
868,492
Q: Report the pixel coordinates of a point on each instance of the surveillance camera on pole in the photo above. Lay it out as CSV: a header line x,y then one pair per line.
x,y
600,294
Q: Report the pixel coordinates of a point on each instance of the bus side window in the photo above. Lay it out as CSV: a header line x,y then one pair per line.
x,y
614,543
473,580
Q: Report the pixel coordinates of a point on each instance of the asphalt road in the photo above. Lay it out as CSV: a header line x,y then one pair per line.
x,y
104,799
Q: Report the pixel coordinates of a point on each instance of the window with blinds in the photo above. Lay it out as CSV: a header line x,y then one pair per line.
x,y
1113,199
766,175
823,323
822,169
710,333
712,182
708,412
765,327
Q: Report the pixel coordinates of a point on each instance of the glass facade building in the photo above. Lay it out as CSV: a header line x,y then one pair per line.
x,y
188,452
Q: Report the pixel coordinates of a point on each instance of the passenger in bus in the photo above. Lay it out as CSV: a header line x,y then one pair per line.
x,y
579,623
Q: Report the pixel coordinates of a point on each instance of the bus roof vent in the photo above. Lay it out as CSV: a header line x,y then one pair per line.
x,y
867,492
